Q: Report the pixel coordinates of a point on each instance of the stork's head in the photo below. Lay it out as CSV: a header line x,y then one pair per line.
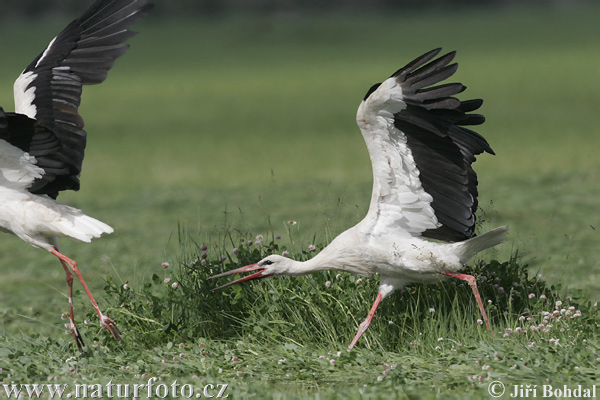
x,y
269,266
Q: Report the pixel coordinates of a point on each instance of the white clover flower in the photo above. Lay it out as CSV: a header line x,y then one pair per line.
x,y
480,322
312,247
558,304
285,253
165,265
531,295
175,285
126,287
328,284
338,277
167,281
359,281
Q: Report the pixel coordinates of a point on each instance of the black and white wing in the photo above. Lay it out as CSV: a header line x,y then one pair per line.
x,y
421,152
47,124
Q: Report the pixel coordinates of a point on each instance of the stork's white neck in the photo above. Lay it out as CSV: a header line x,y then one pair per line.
x,y
342,254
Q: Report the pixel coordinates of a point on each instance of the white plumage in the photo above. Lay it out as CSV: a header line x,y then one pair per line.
x,y
423,187
42,143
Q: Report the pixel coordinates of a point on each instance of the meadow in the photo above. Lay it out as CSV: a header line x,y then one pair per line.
x,y
216,131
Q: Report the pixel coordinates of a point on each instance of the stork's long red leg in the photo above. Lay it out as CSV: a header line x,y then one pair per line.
x,y
105,321
470,279
362,328
72,326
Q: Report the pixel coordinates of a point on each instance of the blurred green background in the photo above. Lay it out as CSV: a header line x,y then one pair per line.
x,y
244,118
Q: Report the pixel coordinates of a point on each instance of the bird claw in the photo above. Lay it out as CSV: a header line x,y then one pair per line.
x,y
76,336
110,326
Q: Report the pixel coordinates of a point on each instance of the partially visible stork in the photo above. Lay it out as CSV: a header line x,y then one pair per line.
x,y
423,188
43,141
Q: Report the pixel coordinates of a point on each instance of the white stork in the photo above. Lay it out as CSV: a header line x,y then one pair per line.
x,y
42,142
423,187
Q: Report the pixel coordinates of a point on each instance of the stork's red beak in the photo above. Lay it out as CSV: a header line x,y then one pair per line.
x,y
251,267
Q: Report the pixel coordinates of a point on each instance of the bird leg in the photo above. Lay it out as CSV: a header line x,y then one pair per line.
x,y
365,324
72,326
105,321
473,283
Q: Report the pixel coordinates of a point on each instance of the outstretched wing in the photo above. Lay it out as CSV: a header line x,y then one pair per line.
x,y
421,152
49,89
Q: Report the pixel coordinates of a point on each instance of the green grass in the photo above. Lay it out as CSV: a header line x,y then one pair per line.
x,y
242,124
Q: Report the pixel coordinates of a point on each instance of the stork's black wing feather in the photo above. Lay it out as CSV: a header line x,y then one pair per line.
x,y
443,149
49,90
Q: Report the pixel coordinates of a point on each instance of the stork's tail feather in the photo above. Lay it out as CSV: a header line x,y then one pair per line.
x,y
470,247
84,228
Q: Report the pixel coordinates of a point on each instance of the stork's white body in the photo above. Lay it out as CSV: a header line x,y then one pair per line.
x,y
37,219
398,260
423,187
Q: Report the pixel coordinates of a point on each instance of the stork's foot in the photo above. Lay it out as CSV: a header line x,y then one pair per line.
x,y
110,326
76,336
362,328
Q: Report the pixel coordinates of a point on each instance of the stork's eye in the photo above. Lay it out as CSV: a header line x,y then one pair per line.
x,y
267,262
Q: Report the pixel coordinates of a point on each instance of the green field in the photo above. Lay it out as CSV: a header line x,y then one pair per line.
x,y
238,125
